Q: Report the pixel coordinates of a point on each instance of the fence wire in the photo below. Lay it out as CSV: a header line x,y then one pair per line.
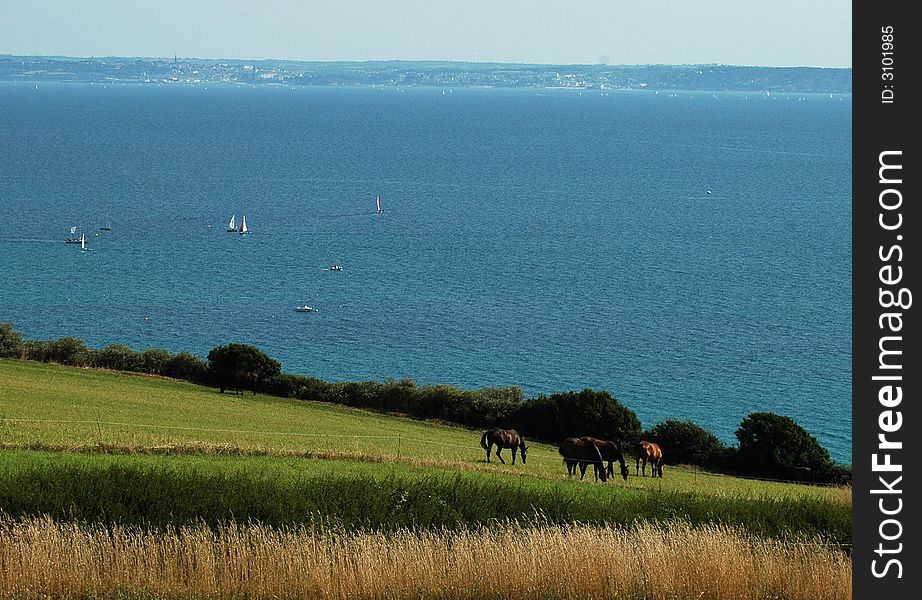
x,y
397,439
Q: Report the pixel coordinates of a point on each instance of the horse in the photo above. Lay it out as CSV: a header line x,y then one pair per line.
x,y
648,452
611,452
503,438
577,452
240,382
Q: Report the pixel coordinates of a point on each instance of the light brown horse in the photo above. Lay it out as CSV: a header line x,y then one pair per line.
x,y
648,452
579,453
503,438
611,452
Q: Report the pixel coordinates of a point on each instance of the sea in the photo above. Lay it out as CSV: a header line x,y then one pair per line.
x,y
689,252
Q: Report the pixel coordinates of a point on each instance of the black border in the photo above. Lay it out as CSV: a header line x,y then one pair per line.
x,y
879,127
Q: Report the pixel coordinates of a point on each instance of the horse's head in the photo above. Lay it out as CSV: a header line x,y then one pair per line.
x,y
624,470
524,450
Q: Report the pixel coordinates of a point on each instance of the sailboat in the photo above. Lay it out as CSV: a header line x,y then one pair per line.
x,y
73,239
83,247
378,208
243,226
108,226
232,226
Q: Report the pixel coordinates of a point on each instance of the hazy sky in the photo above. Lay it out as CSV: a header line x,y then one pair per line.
x,y
742,32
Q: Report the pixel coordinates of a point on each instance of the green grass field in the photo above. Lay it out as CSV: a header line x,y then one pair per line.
x,y
65,408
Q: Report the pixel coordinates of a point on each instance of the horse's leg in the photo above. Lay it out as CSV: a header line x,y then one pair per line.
x,y
498,455
514,448
611,469
637,467
582,469
490,447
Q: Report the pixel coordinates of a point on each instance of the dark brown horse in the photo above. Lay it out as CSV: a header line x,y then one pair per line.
x,y
240,382
648,452
503,438
580,453
611,452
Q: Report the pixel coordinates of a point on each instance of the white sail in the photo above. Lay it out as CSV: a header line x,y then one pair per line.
x,y
73,230
83,241
232,225
243,225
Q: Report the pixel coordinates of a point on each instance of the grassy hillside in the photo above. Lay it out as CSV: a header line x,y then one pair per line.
x,y
126,486
66,408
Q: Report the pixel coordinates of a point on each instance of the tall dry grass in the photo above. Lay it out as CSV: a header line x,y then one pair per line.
x,y
40,558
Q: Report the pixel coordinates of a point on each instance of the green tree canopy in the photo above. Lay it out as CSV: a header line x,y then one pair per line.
x,y
686,442
233,364
776,446
10,341
574,414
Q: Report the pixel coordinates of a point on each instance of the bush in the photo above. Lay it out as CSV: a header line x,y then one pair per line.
x,y
775,446
186,366
297,386
241,366
575,414
396,396
687,443
10,341
118,357
36,350
155,360
68,350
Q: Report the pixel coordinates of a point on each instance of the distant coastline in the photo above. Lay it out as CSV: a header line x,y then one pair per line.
x,y
601,77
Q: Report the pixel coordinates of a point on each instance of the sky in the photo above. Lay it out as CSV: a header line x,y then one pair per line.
x,y
739,32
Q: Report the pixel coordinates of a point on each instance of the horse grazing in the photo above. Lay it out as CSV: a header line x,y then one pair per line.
x,y
503,438
648,452
580,453
239,381
611,452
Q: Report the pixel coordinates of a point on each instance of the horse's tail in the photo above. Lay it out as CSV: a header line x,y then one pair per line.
x,y
483,440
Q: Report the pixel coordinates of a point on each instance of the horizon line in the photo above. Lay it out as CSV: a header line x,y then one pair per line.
x,y
427,60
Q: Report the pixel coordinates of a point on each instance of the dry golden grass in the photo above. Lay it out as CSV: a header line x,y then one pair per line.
x,y
43,559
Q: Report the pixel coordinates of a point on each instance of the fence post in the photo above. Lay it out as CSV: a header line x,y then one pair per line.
x,y
398,446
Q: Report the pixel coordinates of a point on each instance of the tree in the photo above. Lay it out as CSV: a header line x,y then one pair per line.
x,y
186,366
686,442
775,446
241,366
10,341
575,414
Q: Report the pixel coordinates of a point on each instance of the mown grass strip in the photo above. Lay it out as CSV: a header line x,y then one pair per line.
x,y
39,404
146,492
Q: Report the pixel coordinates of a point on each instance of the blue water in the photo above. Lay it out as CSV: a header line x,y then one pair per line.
x,y
552,240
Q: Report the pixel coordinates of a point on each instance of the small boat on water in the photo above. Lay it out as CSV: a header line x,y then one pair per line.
x,y
73,239
108,226
83,246
232,226
335,268
378,209
305,308
243,226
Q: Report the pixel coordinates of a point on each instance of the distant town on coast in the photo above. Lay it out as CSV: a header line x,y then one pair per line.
x,y
425,73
